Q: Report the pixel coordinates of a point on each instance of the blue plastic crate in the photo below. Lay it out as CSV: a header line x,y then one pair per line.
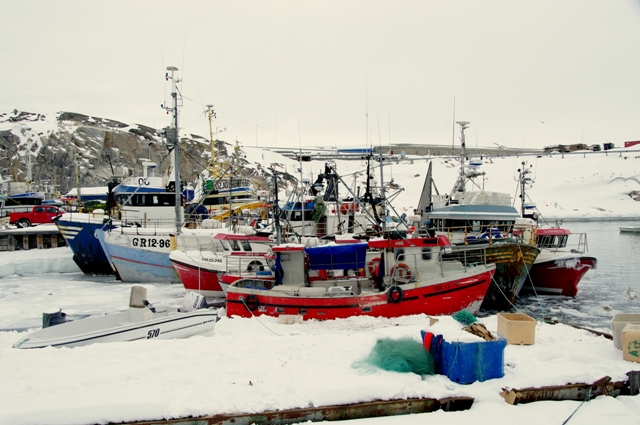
x,y
467,362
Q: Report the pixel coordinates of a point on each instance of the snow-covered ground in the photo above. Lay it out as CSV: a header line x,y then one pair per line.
x,y
258,364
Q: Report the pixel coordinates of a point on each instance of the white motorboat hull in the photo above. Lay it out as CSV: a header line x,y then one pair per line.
x,y
131,325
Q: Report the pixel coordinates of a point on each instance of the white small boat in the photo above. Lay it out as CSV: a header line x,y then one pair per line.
x,y
630,229
141,321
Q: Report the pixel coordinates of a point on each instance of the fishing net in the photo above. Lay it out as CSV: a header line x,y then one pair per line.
x,y
401,355
464,317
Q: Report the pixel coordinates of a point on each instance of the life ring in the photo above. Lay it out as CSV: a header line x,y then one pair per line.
x,y
395,299
251,302
373,266
255,264
401,272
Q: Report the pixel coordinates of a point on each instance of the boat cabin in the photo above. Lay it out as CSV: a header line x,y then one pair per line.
x,y
552,237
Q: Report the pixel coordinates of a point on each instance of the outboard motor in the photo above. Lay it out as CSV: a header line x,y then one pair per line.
x,y
193,301
52,319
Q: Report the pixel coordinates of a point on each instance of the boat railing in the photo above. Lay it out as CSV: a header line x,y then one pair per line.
x,y
476,233
414,266
468,256
197,242
583,246
576,243
254,266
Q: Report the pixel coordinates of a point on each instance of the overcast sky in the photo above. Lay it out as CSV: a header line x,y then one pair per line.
x,y
307,73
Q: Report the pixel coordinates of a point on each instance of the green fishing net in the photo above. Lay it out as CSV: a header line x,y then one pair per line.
x,y
401,355
464,317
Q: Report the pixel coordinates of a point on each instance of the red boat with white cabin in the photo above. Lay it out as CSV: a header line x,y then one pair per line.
x,y
200,269
559,267
409,277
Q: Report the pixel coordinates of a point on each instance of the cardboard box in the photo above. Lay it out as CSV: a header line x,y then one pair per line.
x,y
618,323
517,328
631,342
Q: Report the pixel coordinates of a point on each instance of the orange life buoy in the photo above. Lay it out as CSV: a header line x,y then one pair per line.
x,y
373,266
401,272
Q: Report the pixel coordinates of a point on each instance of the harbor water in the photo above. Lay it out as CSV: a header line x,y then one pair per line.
x,y
602,292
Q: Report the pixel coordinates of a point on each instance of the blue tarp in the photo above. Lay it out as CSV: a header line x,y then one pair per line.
x,y
351,256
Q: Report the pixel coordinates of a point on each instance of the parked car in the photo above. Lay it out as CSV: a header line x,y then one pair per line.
x,y
39,214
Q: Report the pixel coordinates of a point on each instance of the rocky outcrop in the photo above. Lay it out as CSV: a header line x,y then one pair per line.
x,y
99,148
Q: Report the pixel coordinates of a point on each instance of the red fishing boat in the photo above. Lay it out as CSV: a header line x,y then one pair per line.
x,y
382,278
558,268
200,269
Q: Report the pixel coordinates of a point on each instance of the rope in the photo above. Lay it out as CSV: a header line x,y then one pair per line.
x,y
533,286
256,317
579,406
534,290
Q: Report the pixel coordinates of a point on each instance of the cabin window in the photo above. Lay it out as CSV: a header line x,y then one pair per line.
x,y
246,245
234,245
40,210
52,210
23,201
141,200
224,244
426,253
563,241
215,200
399,254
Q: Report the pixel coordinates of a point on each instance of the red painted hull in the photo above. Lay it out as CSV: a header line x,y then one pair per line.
x,y
199,280
435,299
559,277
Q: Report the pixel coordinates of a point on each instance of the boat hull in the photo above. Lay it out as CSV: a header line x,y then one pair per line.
x,y
447,297
139,324
630,230
197,279
200,271
78,231
134,264
559,276
513,262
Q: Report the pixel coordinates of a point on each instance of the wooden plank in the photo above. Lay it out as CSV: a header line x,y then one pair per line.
x,y
576,392
319,414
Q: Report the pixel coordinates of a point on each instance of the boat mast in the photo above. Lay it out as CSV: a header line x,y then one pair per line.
x,y
75,160
383,204
276,207
463,126
523,180
460,184
213,166
176,138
